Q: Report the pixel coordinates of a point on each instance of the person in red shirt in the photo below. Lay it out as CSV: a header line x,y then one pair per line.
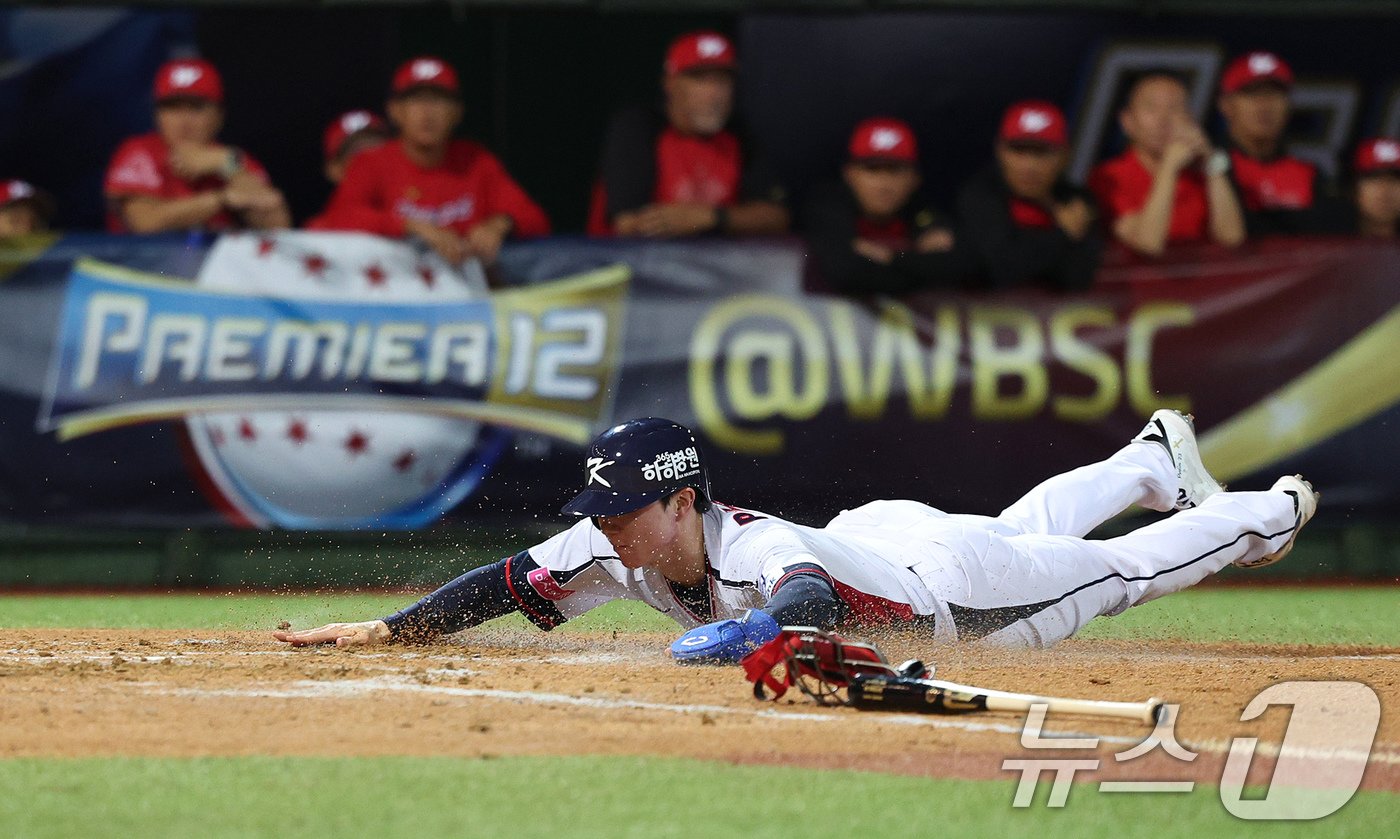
x,y
1022,222
24,210
453,194
1170,185
178,177
681,170
349,134
872,232
1280,194
1377,166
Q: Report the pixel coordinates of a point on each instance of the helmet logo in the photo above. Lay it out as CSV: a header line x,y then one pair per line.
x,y
670,466
595,464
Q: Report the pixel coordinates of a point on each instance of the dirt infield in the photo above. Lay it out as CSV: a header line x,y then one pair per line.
x,y
163,693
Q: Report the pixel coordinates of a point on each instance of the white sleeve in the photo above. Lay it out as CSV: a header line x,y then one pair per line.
x,y
766,553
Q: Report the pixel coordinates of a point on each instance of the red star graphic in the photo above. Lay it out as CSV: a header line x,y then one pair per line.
x,y
375,275
315,264
357,443
426,273
246,430
265,245
405,461
296,432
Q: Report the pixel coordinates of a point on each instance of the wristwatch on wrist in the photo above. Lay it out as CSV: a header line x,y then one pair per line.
x,y
1218,163
233,163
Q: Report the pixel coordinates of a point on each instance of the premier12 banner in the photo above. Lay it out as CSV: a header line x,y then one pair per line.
x,y
343,381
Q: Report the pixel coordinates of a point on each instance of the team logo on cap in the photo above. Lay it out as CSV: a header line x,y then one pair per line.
x,y
354,121
595,464
672,465
884,139
185,75
426,68
20,189
1262,63
1034,122
711,46
1387,152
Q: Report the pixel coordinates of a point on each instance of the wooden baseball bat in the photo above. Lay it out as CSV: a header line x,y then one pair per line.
x,y
873,692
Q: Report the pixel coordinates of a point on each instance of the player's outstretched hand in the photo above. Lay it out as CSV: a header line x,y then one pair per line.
x,y
362,634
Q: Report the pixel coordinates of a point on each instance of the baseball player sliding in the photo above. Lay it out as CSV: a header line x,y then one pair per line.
x,y
651,531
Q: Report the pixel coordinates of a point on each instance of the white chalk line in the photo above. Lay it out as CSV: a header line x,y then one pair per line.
x,y
351,688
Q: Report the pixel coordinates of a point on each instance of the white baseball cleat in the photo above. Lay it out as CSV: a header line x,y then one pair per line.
x,y
1305,501
1175,432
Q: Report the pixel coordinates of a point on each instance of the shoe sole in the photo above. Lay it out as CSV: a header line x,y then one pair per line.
x,y
1270,559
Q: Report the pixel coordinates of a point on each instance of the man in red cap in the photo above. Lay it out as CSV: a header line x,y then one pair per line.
x,y
24,210
1279,193
680,170
454,195
1377,167
872,233
348,134
1021,221
1170,185
179,177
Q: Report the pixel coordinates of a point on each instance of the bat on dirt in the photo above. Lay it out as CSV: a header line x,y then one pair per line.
x,y
880,692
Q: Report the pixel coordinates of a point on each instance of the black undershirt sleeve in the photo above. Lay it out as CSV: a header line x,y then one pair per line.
x,y
477,596
1009,256
805,597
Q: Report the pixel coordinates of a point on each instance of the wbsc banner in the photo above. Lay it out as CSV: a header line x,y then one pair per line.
x,y
342,381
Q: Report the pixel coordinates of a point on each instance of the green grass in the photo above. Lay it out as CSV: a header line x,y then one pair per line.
x,y
1285,615
588,797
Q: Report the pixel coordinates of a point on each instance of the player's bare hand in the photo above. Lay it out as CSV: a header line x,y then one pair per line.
x,y
448,245
361,634
1188,145
254,197
666,220
190,160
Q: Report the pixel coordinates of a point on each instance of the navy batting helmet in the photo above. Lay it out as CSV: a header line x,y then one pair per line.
x,y
635,463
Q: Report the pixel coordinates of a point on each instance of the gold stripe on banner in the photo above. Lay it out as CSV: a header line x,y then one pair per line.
x,y
1350,386
21,251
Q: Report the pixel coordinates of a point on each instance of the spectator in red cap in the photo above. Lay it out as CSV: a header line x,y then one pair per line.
x,y
24,210
179,177
872,232
1021,221
349,134
1377,166
1170,185
680,170
1279,193
454,195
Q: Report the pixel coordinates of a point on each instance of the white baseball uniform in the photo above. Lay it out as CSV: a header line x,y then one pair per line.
x,y
1022,578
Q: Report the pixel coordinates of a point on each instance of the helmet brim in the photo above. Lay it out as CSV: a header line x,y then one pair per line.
x,y
600,502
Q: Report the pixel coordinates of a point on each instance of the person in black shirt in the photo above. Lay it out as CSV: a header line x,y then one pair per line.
x,y
681,170
870,233
1021,222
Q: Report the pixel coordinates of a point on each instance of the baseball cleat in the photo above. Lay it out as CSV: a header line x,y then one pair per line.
x,y
1305,501
1176,432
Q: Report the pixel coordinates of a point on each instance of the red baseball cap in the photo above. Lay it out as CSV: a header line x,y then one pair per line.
x,y
426,71
1255,68
700,51
1378,154
189,78
1034,121
347,125
15,191
884,139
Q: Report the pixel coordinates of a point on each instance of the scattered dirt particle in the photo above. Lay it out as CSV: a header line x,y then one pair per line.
x,y
482,728
706,719
1098,680
284,625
